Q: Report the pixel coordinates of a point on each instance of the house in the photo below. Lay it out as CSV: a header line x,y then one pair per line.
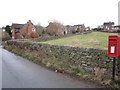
x,y
76,28
87,28
27,30
80,27
117,27
108,26
69,29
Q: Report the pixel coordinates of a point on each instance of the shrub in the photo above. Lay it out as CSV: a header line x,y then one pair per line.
x,y
73,32
78,29
8,30
4,36
40,30
97,29
44,31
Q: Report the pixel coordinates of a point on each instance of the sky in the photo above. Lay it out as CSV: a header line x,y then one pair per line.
x,y
69,12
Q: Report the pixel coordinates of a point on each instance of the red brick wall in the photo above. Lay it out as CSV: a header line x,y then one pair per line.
x,y
31,32
26,31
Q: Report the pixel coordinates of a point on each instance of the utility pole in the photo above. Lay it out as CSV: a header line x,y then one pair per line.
x,y
118,63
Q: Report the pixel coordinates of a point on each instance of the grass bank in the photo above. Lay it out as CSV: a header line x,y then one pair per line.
x,y
92,40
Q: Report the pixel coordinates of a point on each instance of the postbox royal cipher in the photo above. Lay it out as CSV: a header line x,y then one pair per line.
x,y
114,46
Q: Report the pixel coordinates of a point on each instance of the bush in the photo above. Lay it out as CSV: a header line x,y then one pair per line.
x,y
41,30
97,29
8,30
44,31
73,32
78,29
4,36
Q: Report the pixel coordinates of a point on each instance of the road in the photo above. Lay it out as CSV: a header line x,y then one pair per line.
x,y
18,72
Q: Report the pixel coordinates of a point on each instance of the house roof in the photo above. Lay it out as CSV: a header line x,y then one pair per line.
x,y
117,26
79,25
18,26
108,23
68,26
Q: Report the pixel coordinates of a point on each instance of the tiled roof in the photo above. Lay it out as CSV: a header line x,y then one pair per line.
x,y
18,26
109,23
79,25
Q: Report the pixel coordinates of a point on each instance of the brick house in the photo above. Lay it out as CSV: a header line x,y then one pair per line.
x,y
80,26
72,29
69,29
27,30
107,26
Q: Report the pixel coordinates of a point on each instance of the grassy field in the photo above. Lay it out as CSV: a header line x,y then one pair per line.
x,y
92,40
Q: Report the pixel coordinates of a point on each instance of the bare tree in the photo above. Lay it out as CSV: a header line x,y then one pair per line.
x,y
55,28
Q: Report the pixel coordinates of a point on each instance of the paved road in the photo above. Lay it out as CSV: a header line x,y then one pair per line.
x,y
18,72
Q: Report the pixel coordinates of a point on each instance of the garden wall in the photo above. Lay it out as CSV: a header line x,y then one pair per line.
x,y
87,63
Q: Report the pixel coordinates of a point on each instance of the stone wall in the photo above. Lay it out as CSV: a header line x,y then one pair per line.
x,y
87,63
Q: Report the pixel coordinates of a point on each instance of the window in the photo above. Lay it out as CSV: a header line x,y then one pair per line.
x,y
33,29
113,28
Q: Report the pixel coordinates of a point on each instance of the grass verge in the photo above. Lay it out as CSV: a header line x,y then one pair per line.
x,y
92,40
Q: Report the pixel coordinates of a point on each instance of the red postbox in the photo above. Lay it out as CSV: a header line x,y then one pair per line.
x,y
114,46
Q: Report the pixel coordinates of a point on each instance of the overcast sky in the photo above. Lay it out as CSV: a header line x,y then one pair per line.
x,y
69,12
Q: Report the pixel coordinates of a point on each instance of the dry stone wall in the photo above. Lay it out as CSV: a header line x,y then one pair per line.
x,y
88,63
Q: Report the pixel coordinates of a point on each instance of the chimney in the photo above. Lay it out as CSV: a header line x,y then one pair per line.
x,y
29,21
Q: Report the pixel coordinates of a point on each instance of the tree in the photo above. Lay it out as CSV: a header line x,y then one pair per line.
x,y
8,30
55,28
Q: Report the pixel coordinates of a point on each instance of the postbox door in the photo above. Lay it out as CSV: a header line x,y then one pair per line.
x,y
112,50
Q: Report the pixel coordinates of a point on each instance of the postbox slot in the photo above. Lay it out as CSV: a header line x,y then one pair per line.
x,y
112,40
112,44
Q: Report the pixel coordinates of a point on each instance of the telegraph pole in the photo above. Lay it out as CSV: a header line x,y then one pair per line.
x,y
118,63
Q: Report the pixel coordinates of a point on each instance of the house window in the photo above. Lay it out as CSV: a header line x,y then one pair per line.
x,y
113,28
33,29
